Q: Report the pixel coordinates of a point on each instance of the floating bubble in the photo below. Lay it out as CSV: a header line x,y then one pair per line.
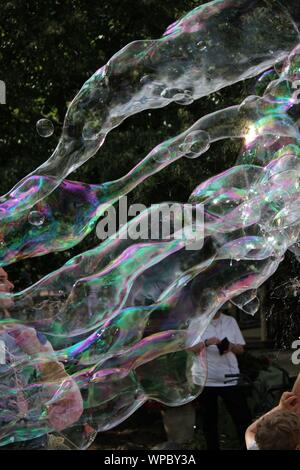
x,y
45,127
195,144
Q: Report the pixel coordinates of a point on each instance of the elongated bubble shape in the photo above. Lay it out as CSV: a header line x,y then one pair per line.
x,y
124,316
64,218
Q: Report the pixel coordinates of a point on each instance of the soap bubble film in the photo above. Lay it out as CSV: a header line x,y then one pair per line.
x,y
92,341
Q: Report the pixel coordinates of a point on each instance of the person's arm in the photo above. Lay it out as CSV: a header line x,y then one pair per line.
x,y
236,348
288,401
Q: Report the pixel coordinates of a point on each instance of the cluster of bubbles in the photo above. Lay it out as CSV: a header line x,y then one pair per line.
x,y
44,127
123,316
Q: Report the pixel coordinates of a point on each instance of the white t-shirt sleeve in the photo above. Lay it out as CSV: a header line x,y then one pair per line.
x,y
238,337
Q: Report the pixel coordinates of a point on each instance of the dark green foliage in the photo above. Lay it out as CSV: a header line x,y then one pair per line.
x,y
47,51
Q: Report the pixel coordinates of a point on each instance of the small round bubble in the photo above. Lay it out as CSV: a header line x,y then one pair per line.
x,y
36,218
45,127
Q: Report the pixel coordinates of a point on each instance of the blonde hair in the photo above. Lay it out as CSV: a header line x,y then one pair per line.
x,y
279,430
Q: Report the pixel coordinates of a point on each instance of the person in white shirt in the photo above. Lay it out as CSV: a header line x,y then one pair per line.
x,y
221,362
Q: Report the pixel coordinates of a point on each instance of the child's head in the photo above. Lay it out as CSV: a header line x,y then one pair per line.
x,y
279,430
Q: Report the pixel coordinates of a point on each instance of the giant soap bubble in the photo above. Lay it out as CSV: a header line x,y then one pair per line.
x,y
118,321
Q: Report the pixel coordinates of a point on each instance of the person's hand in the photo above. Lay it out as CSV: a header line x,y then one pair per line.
x,y
289,401
212,341
4,304
67,408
